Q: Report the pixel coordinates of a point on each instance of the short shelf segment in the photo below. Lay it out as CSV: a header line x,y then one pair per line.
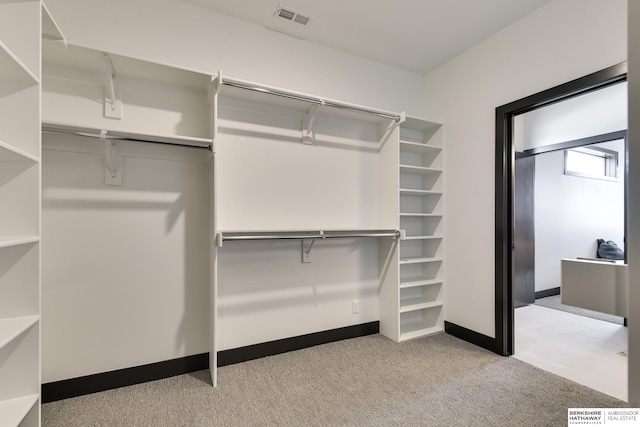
x,y
12,68
419,148
420,333
421,215
12,327
410,305
418,170
422,237
6,242
9,153
417,283
13,411
419,260
412,192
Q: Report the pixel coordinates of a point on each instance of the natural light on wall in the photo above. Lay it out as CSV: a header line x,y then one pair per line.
x,y
596,163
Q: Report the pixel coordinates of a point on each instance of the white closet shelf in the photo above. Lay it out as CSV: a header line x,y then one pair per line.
x,y
90,59
422,238
302,235
13,69
9,153
127,135
419,170
420,333
421,260
301,101
417,304
50,29
6,242
14,410
418,283
420,215
414,192
418,148
12,327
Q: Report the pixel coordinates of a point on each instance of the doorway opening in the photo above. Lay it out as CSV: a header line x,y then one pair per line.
x,y
505,185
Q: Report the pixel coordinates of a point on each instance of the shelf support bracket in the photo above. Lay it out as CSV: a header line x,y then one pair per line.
x,y
112,161
306,253
112,96
308,137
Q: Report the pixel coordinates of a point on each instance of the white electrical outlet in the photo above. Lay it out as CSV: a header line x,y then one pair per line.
x,y
355,307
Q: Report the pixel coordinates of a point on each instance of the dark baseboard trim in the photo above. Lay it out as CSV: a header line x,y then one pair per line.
x,y
256,351
548,292
75,387
473,337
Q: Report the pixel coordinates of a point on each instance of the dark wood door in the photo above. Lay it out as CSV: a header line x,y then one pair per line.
x,y
524,231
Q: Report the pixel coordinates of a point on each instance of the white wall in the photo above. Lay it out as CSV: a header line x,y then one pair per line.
x,y
125,269
571,212
595,113
188,36
559,42
634,204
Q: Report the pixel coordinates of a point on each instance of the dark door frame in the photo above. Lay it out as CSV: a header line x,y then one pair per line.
x,y
504,179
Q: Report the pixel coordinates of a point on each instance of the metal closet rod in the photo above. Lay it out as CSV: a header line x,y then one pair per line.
x,y
316,101
310,235
113,137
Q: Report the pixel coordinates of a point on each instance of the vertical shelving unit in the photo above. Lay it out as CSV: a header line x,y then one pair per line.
x,y
418,299
20,23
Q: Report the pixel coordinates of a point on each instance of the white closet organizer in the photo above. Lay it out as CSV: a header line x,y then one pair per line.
x,y
413,307
20,26
286,165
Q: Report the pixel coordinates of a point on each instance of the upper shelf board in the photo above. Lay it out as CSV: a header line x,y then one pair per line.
x,y
290,100
74,56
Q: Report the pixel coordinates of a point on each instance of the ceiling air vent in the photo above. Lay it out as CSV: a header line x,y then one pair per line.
x,y
290,14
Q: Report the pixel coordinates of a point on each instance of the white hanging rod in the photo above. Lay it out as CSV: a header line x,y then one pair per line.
x,y
306,235
62,131
396,117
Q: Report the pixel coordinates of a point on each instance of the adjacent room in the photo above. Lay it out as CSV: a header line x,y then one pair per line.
x,y
570,184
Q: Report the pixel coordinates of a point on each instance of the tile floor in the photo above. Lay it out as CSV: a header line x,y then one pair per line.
x,y
578,348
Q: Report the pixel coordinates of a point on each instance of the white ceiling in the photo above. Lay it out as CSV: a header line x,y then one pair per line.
x,y
414,35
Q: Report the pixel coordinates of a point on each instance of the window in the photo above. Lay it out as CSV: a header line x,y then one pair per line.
x,y
591,163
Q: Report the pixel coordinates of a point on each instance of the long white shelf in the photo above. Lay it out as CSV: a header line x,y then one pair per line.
x,y
420,333
12,327
418,283
9,153
13,69
421,260
6,242
13,411
125,134
417,147
414,192
419,170
414,305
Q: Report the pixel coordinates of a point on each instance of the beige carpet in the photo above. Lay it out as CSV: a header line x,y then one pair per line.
x,y
368,381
